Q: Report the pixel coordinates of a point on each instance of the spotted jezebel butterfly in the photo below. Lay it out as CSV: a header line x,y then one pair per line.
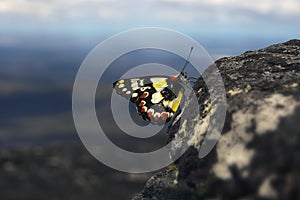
x,y
157,98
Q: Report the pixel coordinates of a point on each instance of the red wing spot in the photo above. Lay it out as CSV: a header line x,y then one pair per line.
x,y
156,118
144,95
143,110
173,78
142,103
149,115
165,116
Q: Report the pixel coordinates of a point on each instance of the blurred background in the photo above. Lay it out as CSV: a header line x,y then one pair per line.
x,y
42,44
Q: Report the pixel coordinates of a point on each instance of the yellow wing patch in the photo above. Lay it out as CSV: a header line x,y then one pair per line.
x,y
176,102
159,83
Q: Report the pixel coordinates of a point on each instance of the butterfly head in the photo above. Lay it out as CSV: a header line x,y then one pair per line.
x,y
183,74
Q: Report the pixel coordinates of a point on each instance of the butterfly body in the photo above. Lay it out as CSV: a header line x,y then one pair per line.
x,y
156,98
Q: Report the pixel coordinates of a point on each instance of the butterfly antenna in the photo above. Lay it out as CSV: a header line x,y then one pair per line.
x,y
187,61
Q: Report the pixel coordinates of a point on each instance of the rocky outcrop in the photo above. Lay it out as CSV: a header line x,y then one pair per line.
x,y
258,153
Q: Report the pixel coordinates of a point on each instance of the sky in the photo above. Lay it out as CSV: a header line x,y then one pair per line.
x,y
86,20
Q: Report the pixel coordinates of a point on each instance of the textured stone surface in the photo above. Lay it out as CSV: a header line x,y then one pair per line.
x,y
61,172
258,153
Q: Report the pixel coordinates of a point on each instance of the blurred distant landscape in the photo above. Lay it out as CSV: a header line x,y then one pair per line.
x,y
36,88
35,94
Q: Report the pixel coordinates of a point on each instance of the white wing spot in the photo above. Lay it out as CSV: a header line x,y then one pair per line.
x,y
134,80
150,110
145,108
121,85
156,97
134,86
134,95
142,82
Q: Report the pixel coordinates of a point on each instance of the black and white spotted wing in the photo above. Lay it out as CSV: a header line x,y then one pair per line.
x,y
156,98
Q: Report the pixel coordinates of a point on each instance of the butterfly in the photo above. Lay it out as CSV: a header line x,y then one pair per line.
x,y
157,98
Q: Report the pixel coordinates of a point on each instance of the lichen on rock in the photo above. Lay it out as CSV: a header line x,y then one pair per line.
x,y
257,155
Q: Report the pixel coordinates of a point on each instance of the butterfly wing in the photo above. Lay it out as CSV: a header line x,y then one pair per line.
x,y
157,98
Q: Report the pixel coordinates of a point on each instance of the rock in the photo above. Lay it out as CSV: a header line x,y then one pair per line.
x,y
61,171
258,153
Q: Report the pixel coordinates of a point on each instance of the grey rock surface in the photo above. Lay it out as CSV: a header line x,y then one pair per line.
x,y
258,153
